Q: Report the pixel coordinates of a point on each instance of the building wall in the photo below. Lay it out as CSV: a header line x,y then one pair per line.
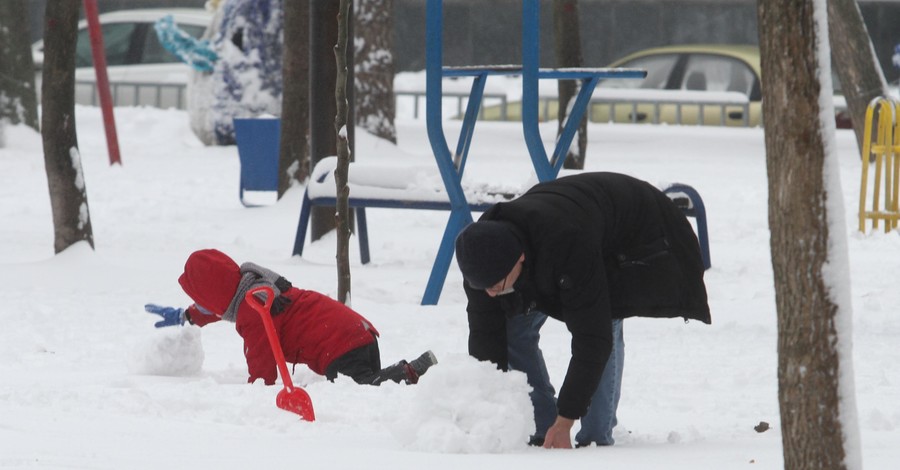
x,y
476,32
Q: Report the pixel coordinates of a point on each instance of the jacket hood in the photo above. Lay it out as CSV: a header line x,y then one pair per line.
x,y
210,278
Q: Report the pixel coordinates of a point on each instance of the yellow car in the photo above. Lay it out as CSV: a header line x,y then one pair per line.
x,y
721,81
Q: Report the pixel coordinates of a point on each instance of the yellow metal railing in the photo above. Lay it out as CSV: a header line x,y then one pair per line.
x,y
883,151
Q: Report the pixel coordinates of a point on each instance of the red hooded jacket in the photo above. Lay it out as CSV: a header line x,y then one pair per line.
x,y
313,329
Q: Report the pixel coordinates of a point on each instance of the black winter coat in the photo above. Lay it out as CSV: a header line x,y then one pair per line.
x,y
598,246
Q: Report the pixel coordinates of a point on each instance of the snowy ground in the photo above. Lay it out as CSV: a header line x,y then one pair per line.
x,y
87,382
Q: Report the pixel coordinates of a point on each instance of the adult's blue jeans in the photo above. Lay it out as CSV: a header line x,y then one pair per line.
x,y
523,337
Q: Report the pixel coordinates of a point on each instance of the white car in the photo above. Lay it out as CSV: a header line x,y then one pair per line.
x,y
140,70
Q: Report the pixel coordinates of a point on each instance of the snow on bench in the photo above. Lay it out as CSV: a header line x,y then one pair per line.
x,y
391,187
395,186
420,187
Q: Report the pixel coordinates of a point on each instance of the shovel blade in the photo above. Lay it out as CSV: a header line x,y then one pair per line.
x,y
297,401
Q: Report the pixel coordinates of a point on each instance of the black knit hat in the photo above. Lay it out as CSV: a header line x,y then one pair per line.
x,y
486,252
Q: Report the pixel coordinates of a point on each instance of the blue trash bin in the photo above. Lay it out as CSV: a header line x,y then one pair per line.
x,y
258,143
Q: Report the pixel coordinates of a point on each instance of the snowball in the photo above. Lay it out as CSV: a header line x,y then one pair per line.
x,y
466,406
172,351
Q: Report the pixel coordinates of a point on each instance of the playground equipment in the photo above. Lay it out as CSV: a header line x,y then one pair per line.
x,y
106,104
388,190
394,187
451,166
883,151
691,204
390,187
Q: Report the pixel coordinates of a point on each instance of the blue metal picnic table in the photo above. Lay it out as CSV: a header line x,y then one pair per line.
x,y
451,166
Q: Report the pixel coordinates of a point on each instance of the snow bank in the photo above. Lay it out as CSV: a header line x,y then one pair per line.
x,y
466,406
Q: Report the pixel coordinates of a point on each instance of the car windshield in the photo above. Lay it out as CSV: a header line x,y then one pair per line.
x,y
155,53
658,70
116,42
121,48
706,72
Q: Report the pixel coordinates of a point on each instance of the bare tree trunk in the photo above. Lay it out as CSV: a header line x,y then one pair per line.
x,y
342,191
854,56
18,100
374,66
68,194
322,39
293,161
568,54
805,209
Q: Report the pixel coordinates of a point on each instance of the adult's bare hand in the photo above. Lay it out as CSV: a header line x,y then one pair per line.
x,y
559,435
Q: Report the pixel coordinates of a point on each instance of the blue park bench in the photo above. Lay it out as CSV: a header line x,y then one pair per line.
x,y
450,167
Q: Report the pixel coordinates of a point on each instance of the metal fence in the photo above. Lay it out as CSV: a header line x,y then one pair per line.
x,y
725,109
642,104
729,106
462,99
174,96
158,95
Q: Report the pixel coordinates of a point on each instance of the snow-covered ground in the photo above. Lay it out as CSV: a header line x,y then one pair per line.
x,y
87,382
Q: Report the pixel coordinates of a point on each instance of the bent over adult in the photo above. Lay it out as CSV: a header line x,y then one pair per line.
x,y
587,250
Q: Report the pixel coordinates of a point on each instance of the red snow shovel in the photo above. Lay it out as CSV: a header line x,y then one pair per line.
x,y
291,398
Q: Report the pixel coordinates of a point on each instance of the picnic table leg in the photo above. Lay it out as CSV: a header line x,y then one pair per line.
x,y
530,95
302,224
573,121
458,220
468,127
362,231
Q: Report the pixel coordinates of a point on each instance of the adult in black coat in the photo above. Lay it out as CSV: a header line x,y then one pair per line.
x,y
587,250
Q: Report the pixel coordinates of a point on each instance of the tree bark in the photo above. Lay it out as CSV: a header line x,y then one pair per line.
x,y
375,109
809,363
342,191
854,57
68,194
568,54
18,100
322,39
293,160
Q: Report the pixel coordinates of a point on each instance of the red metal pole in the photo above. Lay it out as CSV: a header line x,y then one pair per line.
x,y
97,51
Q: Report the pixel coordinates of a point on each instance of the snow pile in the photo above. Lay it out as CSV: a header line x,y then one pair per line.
x,y
72,395
176,352
466,406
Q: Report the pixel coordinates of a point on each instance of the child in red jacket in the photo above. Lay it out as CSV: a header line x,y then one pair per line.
x,y
314,329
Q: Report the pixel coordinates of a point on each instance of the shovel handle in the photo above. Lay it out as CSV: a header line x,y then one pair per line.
x,y
263,309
